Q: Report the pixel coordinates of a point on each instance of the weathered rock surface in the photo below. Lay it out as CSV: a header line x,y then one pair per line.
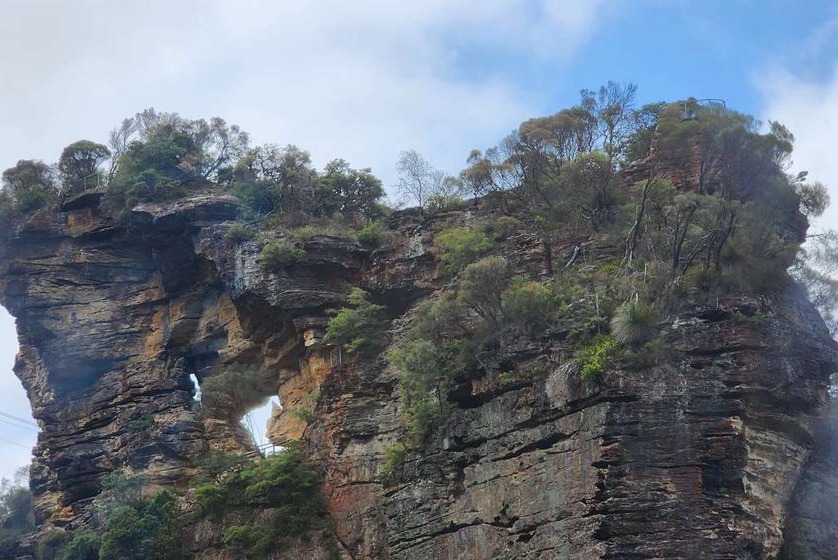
x,y
699,457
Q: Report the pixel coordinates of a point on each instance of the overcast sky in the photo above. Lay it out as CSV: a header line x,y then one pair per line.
x,y
364,80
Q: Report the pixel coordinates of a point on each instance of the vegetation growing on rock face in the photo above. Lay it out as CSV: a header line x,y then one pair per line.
x,y
687,206
594,223
633,323
460,247
359,327
279,497
277,254
84,545
127,525
285,485
234,391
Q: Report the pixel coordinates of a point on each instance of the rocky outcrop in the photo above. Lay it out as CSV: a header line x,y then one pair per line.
x,y
697,457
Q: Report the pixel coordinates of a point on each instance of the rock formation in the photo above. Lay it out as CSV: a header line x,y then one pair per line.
x,y
706,455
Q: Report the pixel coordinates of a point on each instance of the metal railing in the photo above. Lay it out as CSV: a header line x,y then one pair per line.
x,y
690,108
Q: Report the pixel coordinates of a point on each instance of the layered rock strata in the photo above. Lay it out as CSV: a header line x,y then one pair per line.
x,y
698,457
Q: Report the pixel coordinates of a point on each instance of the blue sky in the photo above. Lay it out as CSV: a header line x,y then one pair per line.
x,y
364,80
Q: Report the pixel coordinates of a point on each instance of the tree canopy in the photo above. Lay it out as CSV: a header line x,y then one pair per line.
x,y
79,165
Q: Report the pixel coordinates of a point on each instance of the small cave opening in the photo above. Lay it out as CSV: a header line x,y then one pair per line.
x,y
256,422
245,397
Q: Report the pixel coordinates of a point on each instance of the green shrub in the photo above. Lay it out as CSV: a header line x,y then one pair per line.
x,y
528,304
239,232
130,535
371,236
280,253
84,546
441,202
361,327
460,247
435,319
140,424
119,489
634,323
656,351
598,357
213,499
481,288
214,466
251,539
149,529
286,483
50,543
501,227
305,232
9,545
422,374
394,457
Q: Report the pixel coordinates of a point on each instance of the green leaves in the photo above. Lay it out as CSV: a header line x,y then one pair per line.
x,y
634,323
79,165
360,327
598,357
285,483
460,247
280,253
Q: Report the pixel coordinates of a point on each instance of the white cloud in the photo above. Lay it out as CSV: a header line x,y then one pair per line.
x,y
810,110
360,80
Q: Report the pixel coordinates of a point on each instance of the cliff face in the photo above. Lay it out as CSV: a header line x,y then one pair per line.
x,y
698,457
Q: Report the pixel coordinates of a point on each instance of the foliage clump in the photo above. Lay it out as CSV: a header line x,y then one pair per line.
x,y
633,323
374,235
596,358
460,247
234,391
394,457
240,232
481,288
145,530
128,525
16,515
421,383
359,327
84,545
284,484
528,304
280,253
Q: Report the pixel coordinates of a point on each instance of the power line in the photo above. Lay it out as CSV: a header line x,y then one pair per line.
x,y
10,442
19,419
16,425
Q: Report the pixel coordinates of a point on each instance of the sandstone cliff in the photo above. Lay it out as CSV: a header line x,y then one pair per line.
x,y
697,457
